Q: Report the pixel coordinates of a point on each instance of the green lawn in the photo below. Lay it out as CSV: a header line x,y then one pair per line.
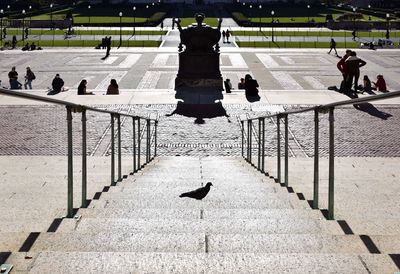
x,y
86,32
89,43
269,44
365,34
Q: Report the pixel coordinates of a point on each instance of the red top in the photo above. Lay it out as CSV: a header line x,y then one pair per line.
x,y
380,84
341,65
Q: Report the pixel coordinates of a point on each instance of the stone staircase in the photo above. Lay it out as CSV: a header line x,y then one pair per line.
x,y
246,224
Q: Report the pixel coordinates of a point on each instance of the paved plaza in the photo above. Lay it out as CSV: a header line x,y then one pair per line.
x,y
33,169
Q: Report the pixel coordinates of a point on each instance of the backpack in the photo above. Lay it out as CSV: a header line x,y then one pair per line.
x,y
33,76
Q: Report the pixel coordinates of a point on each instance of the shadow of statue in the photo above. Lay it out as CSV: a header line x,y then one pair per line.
x,y
199,103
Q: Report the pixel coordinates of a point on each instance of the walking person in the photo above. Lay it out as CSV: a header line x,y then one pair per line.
x,y
29,77
353,64
223,36
333,46
108,46
4,32
227,34
26,33
354,35
14,41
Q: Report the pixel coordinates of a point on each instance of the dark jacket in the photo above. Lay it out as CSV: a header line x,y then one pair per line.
x,y
57,84
250,87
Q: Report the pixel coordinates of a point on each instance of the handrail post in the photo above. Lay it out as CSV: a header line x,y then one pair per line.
x,y
250,141
263,147
147,141
259,145
139,141
155,137
70,197
331,164
316,159
134,144
286,151
112,151
242,124
278,125
84,160
119,149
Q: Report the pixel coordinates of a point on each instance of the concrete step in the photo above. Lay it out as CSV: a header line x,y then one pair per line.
x,y
118,241
185,213
168,225
12,241
148,262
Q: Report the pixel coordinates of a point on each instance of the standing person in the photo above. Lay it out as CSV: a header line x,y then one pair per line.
x,y
108,46
113,88
223,36
4,32
354,35
380,83
227,34
228,85
387,34
82,88
57,84
353,64
12,75
333,46
341,65
173,22
29,77
26,33
14,41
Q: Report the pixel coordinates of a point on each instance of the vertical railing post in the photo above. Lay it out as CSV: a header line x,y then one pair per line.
x,y
263,147
316,159
286,151
70,198
139,141
242,126
278,132
147,140
112,151
84,160
250,141
259,145
119,149
155,137
331,203
134,144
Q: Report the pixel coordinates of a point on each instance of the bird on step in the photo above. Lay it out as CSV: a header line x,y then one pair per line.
x,y
199,193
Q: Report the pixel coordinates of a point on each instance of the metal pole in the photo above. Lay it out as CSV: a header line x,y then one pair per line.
x,y
84,160
155,138
134,144
70,198
139,140
278,125
331,165
259,145
242,124
112,152
250,140
263,147
147,140
316,159
119,149
286,151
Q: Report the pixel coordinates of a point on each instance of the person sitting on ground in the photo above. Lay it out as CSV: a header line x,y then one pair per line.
x,y
250,86
82,88
241,84
15,84
33,46
380,84
26,47
112,88
57,84
367,85
228,85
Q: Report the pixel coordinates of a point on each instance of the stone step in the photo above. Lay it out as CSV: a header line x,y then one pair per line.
x,y
148,262
185,213
169,225
12,241
118,241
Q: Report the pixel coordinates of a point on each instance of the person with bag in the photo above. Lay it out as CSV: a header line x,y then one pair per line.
x,y
29,77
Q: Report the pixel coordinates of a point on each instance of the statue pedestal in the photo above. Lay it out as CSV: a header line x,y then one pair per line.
x,y
199,70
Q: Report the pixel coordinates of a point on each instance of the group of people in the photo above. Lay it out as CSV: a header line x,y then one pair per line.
x,y
225,36
105,44
31,47
349,65
247,83
57,84
13,79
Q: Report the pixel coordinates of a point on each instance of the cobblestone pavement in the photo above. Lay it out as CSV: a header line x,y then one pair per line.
x,y
41,130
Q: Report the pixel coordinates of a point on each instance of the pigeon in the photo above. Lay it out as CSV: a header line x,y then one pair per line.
x,y
199,193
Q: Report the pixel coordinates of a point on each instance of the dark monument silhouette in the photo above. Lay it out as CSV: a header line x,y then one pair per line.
x,y
199,55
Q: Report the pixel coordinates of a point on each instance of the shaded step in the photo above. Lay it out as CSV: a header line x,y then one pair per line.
x,y
12,241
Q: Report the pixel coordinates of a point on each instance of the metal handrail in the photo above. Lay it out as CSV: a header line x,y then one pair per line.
x,y
327,108
137,136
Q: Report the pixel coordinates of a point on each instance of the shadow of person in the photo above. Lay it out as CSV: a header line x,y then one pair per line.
x,y
373,111
199,103
253,98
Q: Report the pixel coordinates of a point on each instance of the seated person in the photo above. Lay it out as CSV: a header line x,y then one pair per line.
x,y
367,85
26,47
228,85
250,86
380,84
241,84
113,87
57,84
33,46
15,84
82,88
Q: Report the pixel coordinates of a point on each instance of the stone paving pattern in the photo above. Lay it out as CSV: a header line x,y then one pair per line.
x,y
357,132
